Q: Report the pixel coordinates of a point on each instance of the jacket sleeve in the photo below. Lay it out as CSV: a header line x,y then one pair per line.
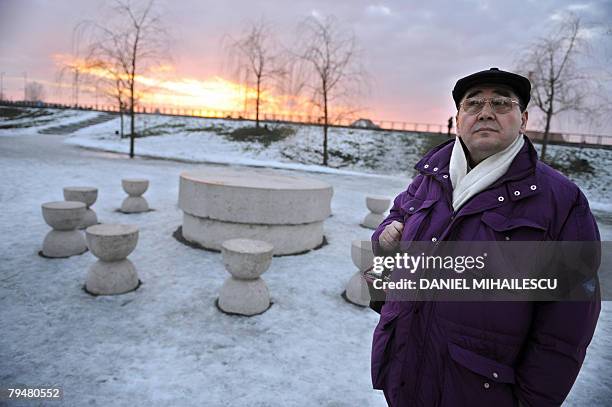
x,y
395,214
560,331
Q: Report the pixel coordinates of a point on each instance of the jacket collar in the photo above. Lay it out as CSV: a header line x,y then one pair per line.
x,y
520,179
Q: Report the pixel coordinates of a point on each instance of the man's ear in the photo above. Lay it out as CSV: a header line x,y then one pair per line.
x,y
457,123
524,118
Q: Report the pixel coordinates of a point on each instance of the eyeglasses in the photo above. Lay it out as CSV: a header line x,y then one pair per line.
x,y
499,104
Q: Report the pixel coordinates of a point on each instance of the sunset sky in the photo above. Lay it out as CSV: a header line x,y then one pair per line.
x,y
414,51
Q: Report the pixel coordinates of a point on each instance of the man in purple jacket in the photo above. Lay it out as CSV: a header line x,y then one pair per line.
x,y
485,185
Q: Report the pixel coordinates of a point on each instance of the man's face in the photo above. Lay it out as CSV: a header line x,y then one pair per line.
x,y
487,132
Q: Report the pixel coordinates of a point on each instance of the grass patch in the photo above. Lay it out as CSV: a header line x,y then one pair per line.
x,y
158,130
343,158
430,141
570,163
262,135
11,113
37,117
221,130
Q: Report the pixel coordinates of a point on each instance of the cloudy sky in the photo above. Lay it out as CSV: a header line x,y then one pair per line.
x,y
414,51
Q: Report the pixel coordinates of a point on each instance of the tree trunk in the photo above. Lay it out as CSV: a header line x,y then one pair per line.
x,y
132,131
132,120
549,115
545,138
257,102
121,117
325,128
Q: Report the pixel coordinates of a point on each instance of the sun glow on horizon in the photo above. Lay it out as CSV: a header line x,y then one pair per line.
x,y
211,94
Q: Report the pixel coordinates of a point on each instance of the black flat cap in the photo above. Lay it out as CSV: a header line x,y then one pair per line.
x,y
519,84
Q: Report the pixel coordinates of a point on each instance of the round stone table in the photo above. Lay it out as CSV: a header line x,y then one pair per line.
x,y
222,204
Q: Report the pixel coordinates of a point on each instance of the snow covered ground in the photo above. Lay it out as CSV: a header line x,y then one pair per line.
x,y
166,343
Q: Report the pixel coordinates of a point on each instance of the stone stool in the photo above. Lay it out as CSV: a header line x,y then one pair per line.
x,y
357,288
377,206
88,196
245,293
64,217
134,203
113,273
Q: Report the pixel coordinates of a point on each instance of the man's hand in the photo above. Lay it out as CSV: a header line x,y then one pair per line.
x,y
391,235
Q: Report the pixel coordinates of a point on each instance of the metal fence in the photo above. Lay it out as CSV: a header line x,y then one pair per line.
x,y
583,139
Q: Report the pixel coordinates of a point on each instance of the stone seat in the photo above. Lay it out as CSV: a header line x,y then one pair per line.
x,y
245,293
135,202
113,273
377,206
64,217
87,195
377,203
357,288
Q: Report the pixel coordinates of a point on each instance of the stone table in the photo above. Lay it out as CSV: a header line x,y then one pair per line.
x,y
223,204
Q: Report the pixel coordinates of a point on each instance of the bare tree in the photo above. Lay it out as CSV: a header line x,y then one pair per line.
x,y
551,64
133,41
34,92
74,65
111,80
257,57
331,54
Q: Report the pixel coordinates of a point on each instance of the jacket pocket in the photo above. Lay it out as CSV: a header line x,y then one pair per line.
x,y
381,347
471,379
416,213
501,227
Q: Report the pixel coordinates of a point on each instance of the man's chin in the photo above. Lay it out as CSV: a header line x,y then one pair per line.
x,y
486,143
486,147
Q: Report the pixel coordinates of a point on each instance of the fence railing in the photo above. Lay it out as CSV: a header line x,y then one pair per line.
x,y
383,125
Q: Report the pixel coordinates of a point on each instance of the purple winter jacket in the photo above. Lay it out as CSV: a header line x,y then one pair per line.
x,y
494,353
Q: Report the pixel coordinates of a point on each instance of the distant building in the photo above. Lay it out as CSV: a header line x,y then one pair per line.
x,y
364,124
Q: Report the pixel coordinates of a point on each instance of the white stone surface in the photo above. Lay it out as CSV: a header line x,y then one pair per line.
x,y
251,196
63,215
284,210
135,186
362,254
244,297
245,292
112,242
372,220
286,239
87,195
134,204
363,257
246,259
111,278
357,290
378,204
112,273
63,243
90,218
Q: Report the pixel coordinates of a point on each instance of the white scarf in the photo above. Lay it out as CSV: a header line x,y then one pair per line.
x,y
467,184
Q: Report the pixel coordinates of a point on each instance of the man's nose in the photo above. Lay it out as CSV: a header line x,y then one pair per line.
x,y
487,112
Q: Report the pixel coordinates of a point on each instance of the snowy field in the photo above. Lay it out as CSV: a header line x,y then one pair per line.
x,y
166,343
